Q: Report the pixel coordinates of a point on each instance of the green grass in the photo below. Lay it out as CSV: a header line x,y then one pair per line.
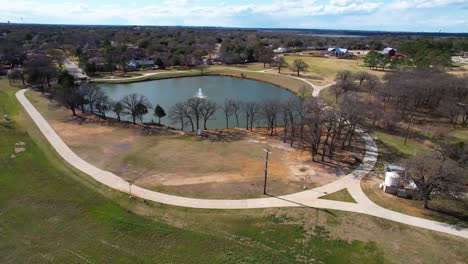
x,y
327,68
458,135
51,213
341,195
396,143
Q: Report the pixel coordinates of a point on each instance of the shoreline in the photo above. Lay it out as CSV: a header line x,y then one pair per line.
x,y
160,76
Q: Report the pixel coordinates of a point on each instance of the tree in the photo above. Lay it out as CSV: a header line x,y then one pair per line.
x,y
194,108
136,105
141,110
228,110
344,80
237,108
39,70
57,56
117,108
299,65
372,58
207,110
436,174
251,110
179,113
361,76
264,55
159,112
67,94
280,63
103,106
92,95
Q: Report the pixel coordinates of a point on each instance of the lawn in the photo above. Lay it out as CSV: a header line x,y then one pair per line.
x,y
341,195
52,213
458,135
396,143
327,68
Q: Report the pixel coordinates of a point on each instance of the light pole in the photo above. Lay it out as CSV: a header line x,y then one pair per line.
x,y
130,189
268,152
407,129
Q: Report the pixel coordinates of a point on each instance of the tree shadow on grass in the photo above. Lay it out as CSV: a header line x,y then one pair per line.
x,y
303,205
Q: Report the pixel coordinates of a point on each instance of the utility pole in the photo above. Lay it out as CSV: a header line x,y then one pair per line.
x,y
268,152
407,129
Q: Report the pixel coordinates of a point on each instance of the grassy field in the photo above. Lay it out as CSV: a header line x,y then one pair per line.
x,y
396,143
326,68
341,195
50,213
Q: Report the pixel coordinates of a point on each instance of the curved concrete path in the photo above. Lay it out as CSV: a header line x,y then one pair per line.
x,y
309,198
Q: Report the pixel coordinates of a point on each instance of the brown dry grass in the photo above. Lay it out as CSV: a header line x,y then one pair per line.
x,y
224,164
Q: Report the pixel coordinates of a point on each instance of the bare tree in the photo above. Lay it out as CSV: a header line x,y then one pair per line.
x,y
207,110
314,127
134,105
228,110
344,80
117,108
237,109
179,114
92,94
361,76
251,110
269,111
103,106
436,174
280,63
194,107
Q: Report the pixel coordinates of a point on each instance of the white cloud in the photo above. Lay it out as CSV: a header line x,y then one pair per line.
x,y
407,4
358,14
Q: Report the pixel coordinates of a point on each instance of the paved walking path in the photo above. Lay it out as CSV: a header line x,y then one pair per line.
x,y
309,198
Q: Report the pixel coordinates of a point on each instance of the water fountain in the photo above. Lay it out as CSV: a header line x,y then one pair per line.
x,y
200,94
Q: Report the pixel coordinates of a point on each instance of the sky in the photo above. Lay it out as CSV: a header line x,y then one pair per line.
x,y
385,15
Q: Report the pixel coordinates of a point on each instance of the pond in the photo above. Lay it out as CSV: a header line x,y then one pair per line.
x,y
168,92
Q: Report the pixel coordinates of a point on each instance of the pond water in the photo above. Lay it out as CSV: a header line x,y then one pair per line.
x,y
168,92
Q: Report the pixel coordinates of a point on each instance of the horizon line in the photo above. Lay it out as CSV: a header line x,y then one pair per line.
x,y
246,28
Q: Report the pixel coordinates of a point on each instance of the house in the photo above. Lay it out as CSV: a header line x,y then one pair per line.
x,y
99,61
391,52
280,50
338,52
136,64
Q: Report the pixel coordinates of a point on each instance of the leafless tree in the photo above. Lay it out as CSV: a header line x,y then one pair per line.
x,y
237,109
134,103
92,94
117,108
269,111
228,110
179,114
436,174
251,110
207,110
194,107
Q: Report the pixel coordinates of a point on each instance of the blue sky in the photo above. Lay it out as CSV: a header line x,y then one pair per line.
x,y
391,15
